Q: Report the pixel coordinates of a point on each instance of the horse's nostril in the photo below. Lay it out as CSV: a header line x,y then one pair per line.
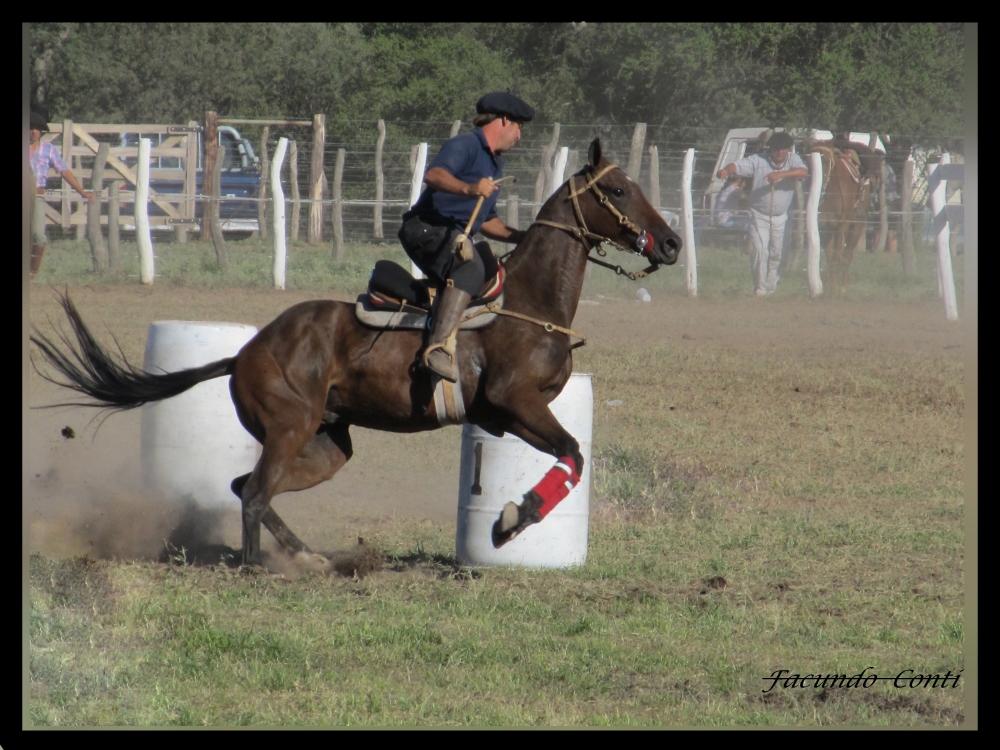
x,y
672,243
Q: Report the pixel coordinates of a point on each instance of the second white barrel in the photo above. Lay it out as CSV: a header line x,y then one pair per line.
x,y
495,471
193,445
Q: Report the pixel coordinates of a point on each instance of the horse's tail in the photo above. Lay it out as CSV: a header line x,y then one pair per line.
x,y
92,371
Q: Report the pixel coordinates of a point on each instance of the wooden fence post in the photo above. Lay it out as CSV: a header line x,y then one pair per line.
x,y
512,212
691,257
67,157
190,178
147,268
215,224
799,238
936,182
338,206
265,173
293,178
559,170
379,180
280,251
654,177
573,163
812,223
906,219
316,181
635,152
455,127
211,143
114,208
418,160
543,183
883,211
98,249
81,205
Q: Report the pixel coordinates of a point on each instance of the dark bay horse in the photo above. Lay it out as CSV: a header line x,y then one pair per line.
x,y
850,173
314,371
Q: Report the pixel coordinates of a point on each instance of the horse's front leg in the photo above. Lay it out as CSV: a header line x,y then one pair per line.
x,y
537,426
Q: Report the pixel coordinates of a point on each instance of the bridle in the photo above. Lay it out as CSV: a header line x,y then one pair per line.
x,y
644,240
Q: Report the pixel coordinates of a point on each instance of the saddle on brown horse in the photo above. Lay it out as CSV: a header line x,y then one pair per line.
x,y
395,299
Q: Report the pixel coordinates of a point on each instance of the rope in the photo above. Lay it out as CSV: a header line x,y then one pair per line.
x,y
494,307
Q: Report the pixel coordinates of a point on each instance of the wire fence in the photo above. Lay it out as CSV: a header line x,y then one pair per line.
x,y
528,162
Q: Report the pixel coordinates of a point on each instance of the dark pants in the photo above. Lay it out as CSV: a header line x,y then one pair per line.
x,y
430,248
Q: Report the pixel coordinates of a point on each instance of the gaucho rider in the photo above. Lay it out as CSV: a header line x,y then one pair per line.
x,y
464,169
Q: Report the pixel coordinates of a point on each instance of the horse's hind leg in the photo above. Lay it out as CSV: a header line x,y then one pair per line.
x,y
851,245
280,470
272,521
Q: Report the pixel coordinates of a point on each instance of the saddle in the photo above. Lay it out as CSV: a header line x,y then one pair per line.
x,y
396,300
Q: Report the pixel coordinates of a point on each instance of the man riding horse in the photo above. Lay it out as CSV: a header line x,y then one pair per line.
x,y
463,172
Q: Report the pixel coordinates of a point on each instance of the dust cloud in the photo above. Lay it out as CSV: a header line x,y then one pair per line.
x,y
115,521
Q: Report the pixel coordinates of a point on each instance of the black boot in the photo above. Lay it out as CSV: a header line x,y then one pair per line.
x,y
439,356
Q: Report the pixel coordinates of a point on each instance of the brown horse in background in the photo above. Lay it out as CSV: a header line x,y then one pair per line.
x,y
314,371
850,173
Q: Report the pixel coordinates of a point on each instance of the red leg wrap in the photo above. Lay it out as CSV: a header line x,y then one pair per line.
x,y
556,484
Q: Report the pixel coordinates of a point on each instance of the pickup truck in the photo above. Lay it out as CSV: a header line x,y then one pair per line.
x,y
240,178
742,142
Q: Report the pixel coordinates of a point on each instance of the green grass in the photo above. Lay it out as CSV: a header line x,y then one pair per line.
x,y
721,273
753,513
194,264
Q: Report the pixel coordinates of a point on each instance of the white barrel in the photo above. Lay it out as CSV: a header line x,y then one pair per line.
x,y
496,471
193,445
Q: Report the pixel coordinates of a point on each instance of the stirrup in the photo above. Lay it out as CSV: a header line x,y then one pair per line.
x,y
448,345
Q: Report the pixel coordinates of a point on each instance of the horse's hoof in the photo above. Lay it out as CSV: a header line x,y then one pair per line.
x,y
516,518
506,526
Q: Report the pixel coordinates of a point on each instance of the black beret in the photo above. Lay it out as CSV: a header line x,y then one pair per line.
x,y
506,105
780,140
38,122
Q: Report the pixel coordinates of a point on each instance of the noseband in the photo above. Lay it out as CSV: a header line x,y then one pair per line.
x,y
643,242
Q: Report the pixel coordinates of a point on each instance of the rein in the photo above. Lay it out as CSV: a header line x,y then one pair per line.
x,y
583,233
494,308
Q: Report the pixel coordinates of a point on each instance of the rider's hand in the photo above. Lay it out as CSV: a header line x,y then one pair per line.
x,y
89,197
773,177
485,188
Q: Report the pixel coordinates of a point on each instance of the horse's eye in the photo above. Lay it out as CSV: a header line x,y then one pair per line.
x,y
618,192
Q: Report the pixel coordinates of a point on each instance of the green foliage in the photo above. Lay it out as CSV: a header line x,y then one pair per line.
x,y
891,77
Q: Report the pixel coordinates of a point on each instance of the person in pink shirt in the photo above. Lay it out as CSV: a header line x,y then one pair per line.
x,y
43,156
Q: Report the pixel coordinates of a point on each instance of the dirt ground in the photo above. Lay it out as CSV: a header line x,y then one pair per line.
x,y
85,491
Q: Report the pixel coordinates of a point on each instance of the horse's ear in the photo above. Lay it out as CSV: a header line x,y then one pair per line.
x,y
595,154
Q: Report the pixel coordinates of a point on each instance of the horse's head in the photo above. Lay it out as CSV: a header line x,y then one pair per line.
x,y
621,212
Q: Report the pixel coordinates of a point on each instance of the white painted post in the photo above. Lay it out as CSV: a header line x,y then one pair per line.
x,y
418,179
559,169
946,279
691,258
812,224
146,266
278,270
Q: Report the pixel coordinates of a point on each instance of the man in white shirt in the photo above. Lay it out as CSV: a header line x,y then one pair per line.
x,y
772,178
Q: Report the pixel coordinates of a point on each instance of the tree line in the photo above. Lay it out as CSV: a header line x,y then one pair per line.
x,y
695,79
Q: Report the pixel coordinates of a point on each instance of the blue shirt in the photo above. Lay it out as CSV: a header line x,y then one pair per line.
x,y
466,157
